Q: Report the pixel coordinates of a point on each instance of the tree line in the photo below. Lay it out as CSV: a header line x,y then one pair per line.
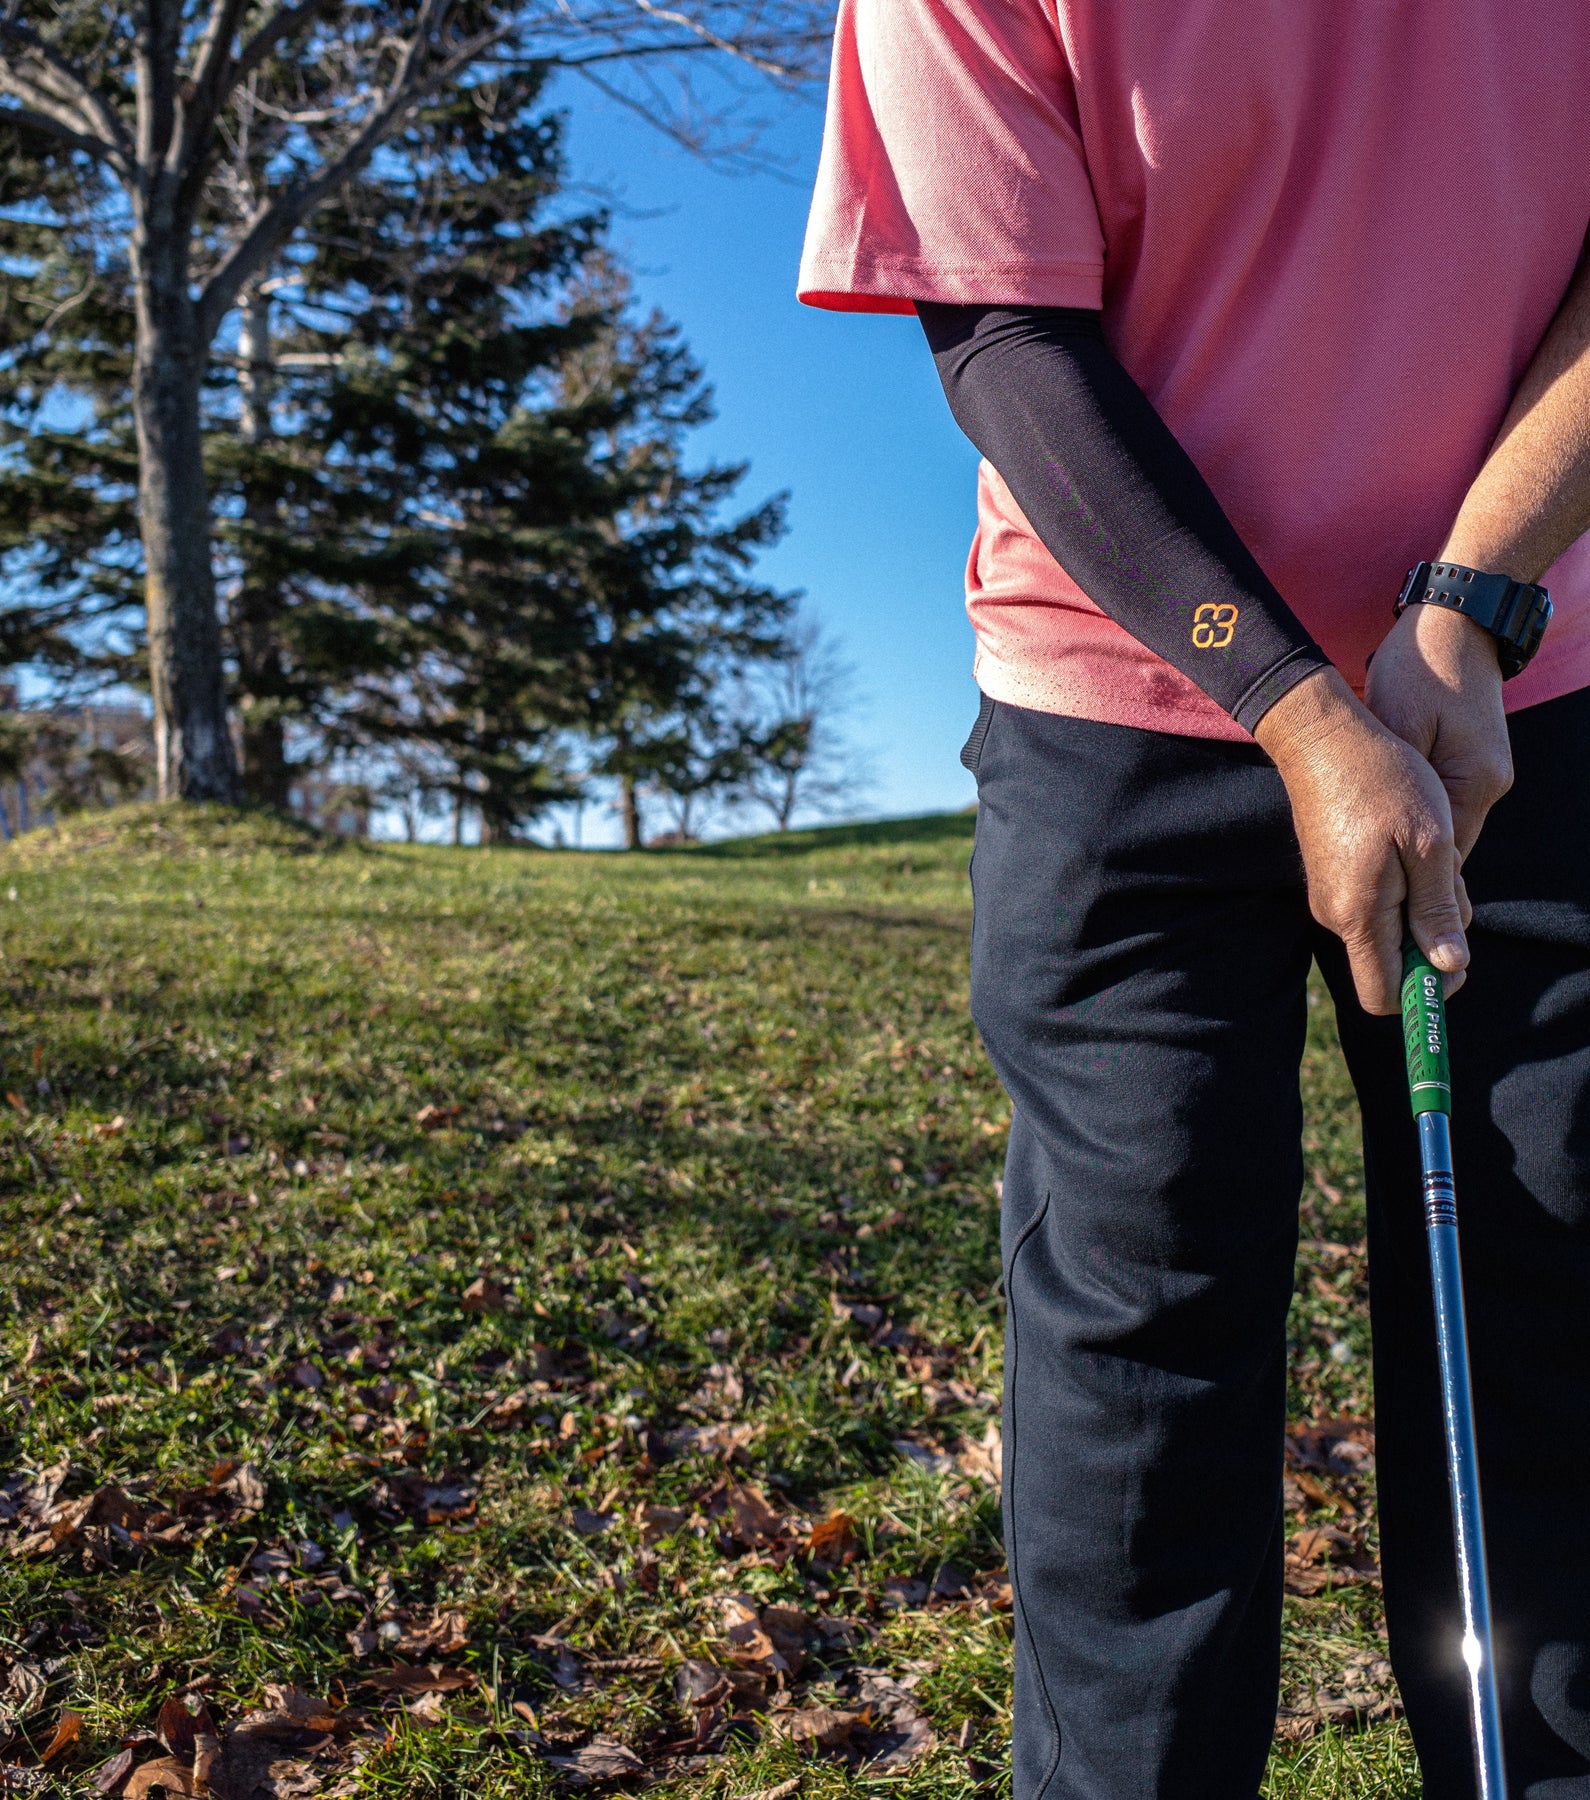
x,y
328,416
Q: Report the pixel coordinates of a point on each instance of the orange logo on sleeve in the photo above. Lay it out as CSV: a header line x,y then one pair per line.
x,y
1213,624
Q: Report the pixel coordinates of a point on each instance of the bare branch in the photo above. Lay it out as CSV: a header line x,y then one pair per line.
x,y
212,62
44,81
279,26
65,306
280,217
31,119
697,29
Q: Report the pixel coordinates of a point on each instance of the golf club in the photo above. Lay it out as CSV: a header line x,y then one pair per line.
x,y
1430,1090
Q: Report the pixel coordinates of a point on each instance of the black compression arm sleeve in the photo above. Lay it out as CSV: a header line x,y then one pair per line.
x,y
1116,500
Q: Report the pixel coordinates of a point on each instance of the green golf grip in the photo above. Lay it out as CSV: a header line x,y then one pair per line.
x,y
1424,1031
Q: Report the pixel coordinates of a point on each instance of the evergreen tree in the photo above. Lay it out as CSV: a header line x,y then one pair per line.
x,y
203,136
455,523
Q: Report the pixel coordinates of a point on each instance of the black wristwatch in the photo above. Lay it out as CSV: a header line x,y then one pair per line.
x,y
1515,613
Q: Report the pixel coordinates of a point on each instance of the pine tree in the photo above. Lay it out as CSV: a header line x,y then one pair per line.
x,y
455,524
203,138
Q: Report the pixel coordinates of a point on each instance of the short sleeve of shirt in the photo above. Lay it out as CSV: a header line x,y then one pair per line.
x,y
952,165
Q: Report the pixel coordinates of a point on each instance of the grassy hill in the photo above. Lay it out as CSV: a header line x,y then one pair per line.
x,y
485,1321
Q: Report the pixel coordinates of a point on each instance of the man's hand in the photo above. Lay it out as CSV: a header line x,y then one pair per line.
x,y
1435,681
1375,827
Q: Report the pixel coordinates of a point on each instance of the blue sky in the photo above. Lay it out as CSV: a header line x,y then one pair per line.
x,y
843,410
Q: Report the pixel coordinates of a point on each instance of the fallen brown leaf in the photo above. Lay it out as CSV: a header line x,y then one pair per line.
x,y
755,1520
817,1727
906,1744
292,1705
783,1791
658,1522
167,1773
243,1482
603,1759
445,1635
25,1688
433,1118
833,1539
428,1709
421,1678
108,1776
484,1296
178,1728
68,1728
984,1461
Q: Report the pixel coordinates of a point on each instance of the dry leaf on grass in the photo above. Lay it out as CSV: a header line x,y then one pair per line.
x,y
422,1678
1340,1447
817,1727
445,1635
983,1461
1324,1555
428,1709
167,1774
25,1688
658,1522
242,1481
700,1683
771,1639
484,1296
905,1744
68,1728
433,1118
756,1521
291,1708
107,1777
833,1541
603,1759
784,1791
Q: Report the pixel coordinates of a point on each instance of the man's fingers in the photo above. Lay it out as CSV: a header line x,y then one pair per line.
x,y
1472,792
1435,909
1374,954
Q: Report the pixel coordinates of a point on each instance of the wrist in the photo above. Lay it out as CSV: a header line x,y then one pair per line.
x,y
1453,643
1473,547
1306,715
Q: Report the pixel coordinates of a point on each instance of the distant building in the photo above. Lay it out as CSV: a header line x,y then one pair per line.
x,y
340,807
63,760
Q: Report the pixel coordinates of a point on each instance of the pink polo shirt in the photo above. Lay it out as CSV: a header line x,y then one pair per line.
x,y
1326,237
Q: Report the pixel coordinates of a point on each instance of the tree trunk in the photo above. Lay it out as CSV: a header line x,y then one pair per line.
x,y
261,677
193,748
629,812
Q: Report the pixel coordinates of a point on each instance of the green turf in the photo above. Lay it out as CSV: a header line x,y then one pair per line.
x,y
272,1109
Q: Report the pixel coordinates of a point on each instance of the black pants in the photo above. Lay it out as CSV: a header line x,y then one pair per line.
x,y
1140,949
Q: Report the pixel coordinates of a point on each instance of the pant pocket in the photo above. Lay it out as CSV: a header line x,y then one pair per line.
x,y
972,749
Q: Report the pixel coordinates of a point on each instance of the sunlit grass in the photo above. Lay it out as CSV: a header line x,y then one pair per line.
x,y
278,1108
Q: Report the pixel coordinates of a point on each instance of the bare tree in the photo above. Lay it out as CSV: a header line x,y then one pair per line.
x,y
796,757
209,131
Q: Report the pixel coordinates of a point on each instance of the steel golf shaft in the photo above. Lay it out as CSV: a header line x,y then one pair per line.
x,y
1430,1090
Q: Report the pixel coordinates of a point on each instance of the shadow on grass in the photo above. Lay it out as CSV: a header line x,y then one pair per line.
x,y
930,828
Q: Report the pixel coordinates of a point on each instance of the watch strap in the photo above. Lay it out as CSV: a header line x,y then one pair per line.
x,y
1516,613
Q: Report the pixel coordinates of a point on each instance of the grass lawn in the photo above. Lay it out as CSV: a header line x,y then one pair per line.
x,y
478,1323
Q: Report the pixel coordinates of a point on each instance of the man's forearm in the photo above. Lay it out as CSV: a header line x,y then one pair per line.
x,y
1116,500
1531,499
